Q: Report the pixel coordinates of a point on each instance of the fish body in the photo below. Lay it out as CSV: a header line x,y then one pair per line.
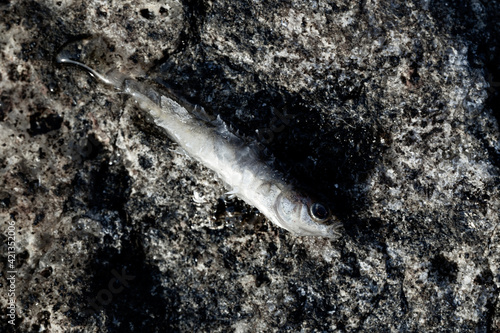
x,y
237,164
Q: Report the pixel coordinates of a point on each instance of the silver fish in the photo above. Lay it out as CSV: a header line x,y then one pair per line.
x,y
237,164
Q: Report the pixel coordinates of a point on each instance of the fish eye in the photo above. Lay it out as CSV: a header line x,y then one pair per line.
x,y
319,212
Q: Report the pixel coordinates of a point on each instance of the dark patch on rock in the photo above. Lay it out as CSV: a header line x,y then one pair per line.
x,y
147,14
5,200
145,162
21,258
38,218
41,123
350,265
46,272
5,105
444,270
122,282
92,148
109,188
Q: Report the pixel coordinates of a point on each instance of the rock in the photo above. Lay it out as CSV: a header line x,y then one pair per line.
x,y
387,109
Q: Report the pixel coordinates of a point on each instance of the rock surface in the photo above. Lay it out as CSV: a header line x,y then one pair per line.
x,y
395,110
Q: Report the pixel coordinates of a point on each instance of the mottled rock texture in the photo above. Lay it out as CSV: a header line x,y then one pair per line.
x,y
395,110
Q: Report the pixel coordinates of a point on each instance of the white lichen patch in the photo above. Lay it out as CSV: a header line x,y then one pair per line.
x,y
437,157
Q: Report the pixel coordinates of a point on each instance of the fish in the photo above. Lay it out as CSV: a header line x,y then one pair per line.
x,y
237,164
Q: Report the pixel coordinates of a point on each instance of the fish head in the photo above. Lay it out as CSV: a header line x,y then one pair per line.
x,y
305,216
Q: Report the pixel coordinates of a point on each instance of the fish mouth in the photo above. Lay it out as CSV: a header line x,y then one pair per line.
x,y
327,231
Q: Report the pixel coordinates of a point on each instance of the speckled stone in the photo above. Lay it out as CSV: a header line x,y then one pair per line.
x,y
393,109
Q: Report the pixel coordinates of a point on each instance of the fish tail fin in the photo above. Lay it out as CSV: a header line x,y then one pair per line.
x,y
75,52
